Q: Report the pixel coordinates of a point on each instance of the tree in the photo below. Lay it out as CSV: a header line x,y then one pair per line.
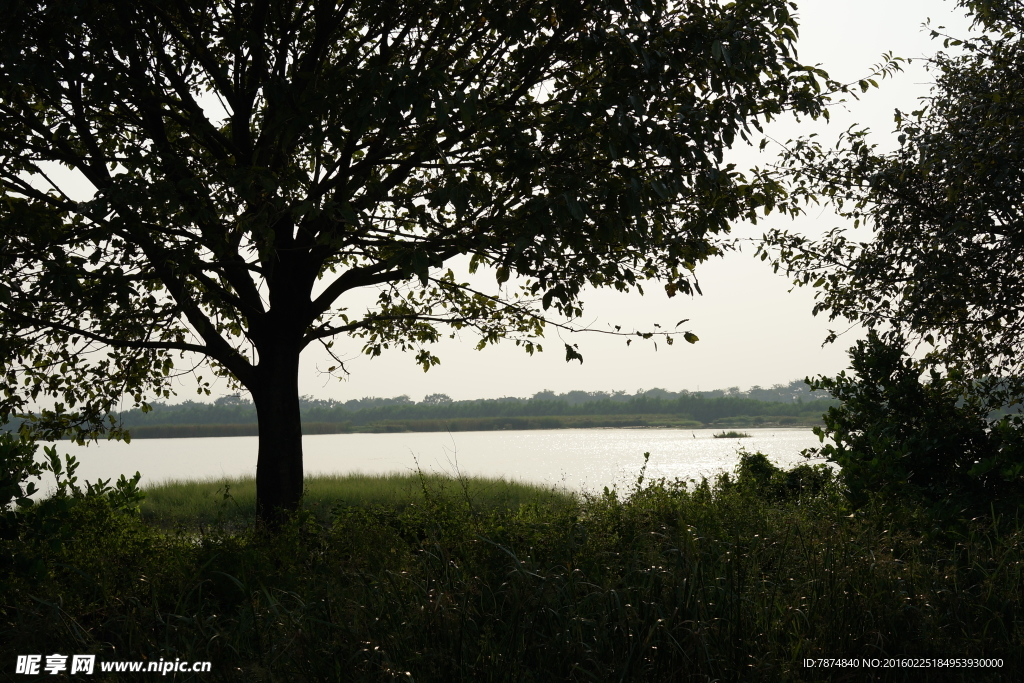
x,y
946,262
943,276
249,164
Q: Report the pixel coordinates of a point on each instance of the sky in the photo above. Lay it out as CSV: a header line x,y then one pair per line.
x,y
753,329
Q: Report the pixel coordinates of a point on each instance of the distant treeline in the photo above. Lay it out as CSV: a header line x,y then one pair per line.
x,y
704,406
233,413
236,416
479,424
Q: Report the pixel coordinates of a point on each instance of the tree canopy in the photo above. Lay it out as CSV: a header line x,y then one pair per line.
x,y
946,261
929,410
249,164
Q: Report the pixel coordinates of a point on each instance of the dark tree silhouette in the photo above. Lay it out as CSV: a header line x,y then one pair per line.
x,y
247,165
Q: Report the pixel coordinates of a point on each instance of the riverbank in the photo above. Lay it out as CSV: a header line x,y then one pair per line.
x,y
480,424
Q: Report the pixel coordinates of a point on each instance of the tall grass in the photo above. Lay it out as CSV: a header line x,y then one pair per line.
x,y
233,500
738,579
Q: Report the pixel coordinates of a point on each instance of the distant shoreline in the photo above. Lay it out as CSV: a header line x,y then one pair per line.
x,y
475,424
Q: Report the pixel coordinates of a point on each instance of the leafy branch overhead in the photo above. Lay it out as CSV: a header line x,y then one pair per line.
x,y
944,264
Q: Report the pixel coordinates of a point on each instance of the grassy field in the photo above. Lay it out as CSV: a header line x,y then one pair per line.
x,y
745,578
233,501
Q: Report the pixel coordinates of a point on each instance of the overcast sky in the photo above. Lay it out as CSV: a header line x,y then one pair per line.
x,y
752,330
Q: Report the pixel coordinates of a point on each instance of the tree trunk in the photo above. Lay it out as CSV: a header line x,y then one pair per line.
x,y
279,464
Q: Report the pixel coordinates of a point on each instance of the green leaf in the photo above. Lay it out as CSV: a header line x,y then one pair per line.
x,y
572,353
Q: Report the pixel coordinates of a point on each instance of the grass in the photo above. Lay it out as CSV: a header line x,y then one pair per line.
x,y
233,501
731,435
741,578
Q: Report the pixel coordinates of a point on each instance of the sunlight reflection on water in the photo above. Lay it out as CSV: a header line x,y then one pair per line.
x,y
574,458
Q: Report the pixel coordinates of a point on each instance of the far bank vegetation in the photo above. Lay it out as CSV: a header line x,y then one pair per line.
x,y
782,405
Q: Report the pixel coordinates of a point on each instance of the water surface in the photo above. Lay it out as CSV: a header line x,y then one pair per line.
x,y
574,458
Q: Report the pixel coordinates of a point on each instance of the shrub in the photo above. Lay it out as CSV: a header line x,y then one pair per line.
x,y
900,438
757,475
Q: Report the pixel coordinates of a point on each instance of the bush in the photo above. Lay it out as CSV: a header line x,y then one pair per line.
x,y
757,475
55,520
898,438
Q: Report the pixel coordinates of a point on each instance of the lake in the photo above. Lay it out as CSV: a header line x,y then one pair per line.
x,y
574,458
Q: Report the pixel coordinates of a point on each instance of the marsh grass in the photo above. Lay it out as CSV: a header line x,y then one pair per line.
x,y
232,501
731,435
737,579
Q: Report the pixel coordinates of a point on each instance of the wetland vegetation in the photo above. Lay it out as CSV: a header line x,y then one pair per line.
x,y
427,579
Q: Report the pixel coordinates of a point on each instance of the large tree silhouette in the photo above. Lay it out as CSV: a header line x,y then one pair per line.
x,y
246,165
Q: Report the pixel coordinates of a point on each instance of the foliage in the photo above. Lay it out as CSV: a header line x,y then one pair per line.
x,y
664,582
232,155
944,264
794,392
898,437
758,476
56,520
699,407
17,467
940,280
124,495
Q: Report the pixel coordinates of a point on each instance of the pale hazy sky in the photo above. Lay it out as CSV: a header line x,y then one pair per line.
x,y
752,330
